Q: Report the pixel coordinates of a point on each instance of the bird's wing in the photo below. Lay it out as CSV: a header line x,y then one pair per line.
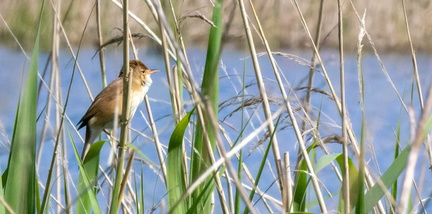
x,y
104,106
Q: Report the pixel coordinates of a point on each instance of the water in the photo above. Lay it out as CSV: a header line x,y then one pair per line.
x,y
382,106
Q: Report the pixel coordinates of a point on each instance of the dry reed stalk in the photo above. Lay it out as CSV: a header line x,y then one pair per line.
x,y
427,145
346,177
420,134
350,132
296,128
100,40
261,88
117,197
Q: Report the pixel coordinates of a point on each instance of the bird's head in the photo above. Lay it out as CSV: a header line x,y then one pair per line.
x,y
138,69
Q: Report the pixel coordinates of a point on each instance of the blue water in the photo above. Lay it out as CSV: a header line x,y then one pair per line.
x,y
383,109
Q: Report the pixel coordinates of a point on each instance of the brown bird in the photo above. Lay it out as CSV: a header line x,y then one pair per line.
x,y
107,106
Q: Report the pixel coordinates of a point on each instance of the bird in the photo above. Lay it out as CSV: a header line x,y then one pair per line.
x,y
106,108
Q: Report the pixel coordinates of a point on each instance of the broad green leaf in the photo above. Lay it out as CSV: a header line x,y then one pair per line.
x,y
324,161
387,179
87,201
21,182
139,152
353,180
204,196
396,154
209,90
176,183
300,187
2,207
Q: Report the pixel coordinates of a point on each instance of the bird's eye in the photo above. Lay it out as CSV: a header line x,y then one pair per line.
x,y
142,71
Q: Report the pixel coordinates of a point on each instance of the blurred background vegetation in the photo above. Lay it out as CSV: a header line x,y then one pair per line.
x,y
384,19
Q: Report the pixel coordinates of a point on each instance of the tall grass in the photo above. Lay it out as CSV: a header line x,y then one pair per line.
x,y
19,179
205,166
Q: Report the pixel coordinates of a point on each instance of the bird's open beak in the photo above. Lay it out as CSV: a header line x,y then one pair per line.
x,y
153,71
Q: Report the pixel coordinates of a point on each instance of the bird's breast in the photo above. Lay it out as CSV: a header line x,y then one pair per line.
x,y
138,95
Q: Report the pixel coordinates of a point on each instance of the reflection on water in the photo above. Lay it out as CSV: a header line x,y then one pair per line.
x,y
383,108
